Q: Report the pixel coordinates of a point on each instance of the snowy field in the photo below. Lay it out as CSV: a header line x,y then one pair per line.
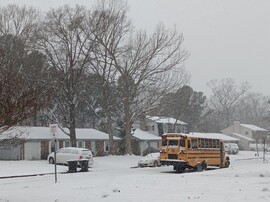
x,y
112,179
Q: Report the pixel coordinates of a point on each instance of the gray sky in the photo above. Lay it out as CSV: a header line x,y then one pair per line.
x,y
226,38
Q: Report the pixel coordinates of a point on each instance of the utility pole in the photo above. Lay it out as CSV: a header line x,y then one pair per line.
x,y
54,128
55,168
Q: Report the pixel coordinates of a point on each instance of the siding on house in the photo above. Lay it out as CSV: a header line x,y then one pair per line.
x,y
41,141
44,149
22,150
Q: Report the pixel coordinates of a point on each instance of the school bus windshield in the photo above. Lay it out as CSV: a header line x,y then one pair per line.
x,y
173,143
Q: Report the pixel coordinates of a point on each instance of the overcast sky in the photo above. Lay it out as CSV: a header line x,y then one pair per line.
x,y
226,38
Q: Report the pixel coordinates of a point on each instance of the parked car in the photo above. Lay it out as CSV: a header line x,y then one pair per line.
x,y
150,150
231,148
259,147
71,153
150,160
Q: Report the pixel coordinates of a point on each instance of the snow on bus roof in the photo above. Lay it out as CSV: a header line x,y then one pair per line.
x,y
174,138
206,135
213,136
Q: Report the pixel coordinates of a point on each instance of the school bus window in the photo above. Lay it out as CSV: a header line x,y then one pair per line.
x,y
202,143
214,143
182,143
217,143
210,143
164,142
173,142
206,143
189,145
194,144
199,143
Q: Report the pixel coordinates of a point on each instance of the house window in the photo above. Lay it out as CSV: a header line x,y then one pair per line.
x,y
153,128
106,146
246,133
80,144
66,143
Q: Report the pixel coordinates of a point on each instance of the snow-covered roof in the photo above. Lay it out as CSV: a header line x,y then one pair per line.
x,y
38,133
243,137
89,133
44,133
252,127
144,135
158,119
213,136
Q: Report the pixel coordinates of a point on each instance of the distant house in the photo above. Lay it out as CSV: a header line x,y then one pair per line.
x,y
160,125
35,143
149,129
145,140
246,133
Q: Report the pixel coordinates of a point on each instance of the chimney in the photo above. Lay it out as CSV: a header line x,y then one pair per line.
x,y
236,126
142,121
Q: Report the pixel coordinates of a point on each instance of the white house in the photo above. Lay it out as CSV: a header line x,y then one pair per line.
x,y
160,125
35,143
246,133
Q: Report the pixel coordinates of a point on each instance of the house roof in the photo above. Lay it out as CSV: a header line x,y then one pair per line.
x,y
243,137
44,133
144,135
86,133
158,119
213,136
252,127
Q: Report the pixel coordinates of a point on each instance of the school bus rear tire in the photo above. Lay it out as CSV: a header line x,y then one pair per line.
x,y
204,165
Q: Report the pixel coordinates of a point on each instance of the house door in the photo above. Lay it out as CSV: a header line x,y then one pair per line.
x,y
93,148
32,151
9,152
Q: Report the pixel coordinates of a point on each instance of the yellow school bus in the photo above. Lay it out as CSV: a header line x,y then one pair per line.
x,y
184,151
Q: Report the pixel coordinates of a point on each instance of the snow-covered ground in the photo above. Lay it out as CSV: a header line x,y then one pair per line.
x,y
112,179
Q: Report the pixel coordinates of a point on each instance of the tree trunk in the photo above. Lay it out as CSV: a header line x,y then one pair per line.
x,y
110,132
72,126
143,121
128,149
128,136
227,118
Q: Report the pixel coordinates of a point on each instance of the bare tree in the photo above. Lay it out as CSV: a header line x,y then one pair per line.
x,y
68,51
253,109
22,92
108,24
145,65
226,94
20,22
